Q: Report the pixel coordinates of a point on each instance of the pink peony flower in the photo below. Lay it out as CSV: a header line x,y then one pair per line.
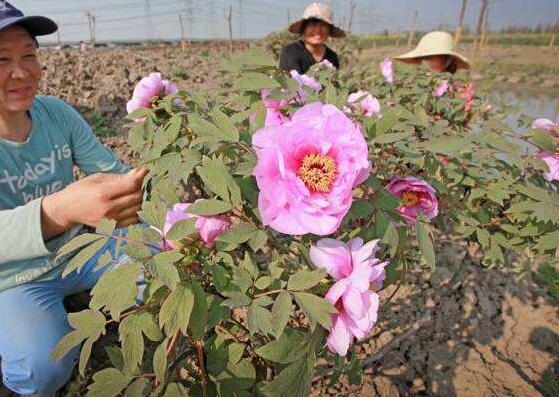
x,y
442,88
386,70
148,88
304,81
467,94
209,227
363,103
552,161
418,196
307,169
547,125
354,267
274,116
327,63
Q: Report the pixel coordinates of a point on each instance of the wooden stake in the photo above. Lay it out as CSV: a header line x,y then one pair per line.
x,y
412,31
484,4
229,21
459,28
351,12
552,40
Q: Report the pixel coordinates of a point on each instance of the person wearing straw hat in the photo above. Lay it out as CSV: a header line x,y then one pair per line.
x,y
315,27
41,207
438,49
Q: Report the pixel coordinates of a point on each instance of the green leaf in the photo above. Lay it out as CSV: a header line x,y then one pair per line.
x,y
176,309
425,239
354,372
160,361
199,316
388,121
153,214
225,124
338,369
295,380
248,265
316,308
217,178
79,241
259,319
138,388
281,311
390,138
85,254
391,238
548,241
164,270
131,331
483,237
88,325
447,145
305,279
290,346
208,207
106,226
263,282
238,234
116,290
254,82
108,383
204,128
182,229
258,240
543,140
175,390
115,357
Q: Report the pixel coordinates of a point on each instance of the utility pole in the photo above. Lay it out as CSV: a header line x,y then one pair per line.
x,y
148,24
58,41
412,31
241,21
484,4
351,12
485,29
91,24
230,22
460,23
288,17
183,38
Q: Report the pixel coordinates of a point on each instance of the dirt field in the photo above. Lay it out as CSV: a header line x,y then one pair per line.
x,y
459,331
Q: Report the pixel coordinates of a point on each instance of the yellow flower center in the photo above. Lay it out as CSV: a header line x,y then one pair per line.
x,y
318,172
410,198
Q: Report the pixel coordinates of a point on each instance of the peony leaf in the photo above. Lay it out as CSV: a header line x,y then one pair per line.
x,y
176,309
108,383
290,346
281,312
208,207
305,279
315,308
425,239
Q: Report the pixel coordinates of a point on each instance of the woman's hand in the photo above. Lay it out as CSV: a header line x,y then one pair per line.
x,y
91,199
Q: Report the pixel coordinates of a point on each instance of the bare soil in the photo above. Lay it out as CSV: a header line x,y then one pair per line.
x,y
461,330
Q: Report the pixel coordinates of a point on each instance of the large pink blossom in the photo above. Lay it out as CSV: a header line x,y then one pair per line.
x,y
307,169
147,89
355,268
363,103
548,126
418,197
552,161
386,70
442,88
209,227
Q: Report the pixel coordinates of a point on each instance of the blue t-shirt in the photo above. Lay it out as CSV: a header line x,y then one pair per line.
x,y
59,139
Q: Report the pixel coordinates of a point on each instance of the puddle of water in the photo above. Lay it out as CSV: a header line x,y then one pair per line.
x,y
518,104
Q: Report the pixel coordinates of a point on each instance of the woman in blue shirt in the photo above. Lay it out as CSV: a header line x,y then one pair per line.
x,y
42,207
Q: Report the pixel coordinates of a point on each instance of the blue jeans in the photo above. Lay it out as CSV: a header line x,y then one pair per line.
x,y
32,322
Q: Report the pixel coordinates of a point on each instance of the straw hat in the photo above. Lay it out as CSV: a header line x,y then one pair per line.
x,y
317,11
435,43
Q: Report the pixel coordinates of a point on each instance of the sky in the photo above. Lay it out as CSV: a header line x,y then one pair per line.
x,y
204,19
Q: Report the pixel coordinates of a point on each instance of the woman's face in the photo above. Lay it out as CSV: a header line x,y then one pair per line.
x,y
20,71
316,32
438,63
